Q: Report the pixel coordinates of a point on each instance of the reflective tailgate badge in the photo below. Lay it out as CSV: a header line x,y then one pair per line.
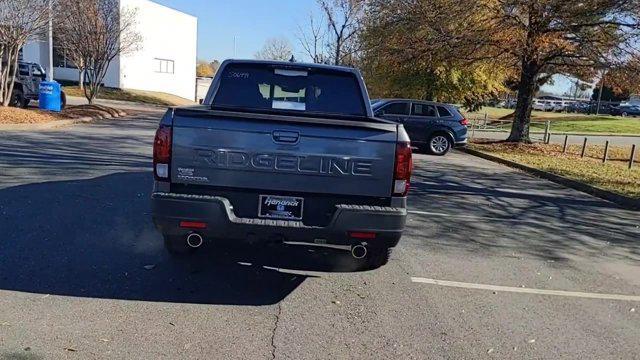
x,y
188,174
185,171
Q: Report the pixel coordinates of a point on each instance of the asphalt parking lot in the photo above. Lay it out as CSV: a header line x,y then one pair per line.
x,y
494,263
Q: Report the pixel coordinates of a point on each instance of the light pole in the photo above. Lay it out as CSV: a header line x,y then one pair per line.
x,y
234,47
50,72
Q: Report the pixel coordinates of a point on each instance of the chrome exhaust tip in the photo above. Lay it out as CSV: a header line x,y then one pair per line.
x,y
359,251
194,240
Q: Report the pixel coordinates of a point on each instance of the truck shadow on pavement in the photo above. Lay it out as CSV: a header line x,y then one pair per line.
x,y
94,238
482,208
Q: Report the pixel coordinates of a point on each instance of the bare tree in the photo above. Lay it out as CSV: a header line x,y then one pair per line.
x,y
312,38
70,54
344,19
275,49
20,21
96,32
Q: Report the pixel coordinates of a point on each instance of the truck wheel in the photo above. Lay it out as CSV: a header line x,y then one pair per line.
x,y
176,245
63,100
377,257
18,99
439,144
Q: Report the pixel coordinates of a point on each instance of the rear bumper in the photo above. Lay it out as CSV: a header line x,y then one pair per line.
x,y
460,144
169,209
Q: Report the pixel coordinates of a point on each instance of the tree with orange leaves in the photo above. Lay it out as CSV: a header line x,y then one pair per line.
x,y
530,39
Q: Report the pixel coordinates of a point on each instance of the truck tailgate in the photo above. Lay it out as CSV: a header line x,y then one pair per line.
x,y
274,156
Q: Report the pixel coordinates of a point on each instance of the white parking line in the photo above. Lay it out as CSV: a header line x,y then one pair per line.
x,y
525,290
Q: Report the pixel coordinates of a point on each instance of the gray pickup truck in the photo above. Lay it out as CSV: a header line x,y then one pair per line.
x,y
282,152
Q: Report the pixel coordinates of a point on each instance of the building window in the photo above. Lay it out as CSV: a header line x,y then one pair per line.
x,y
163,66
61,58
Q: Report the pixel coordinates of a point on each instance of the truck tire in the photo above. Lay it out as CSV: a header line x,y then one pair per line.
x,y
176,245
18,99
63,100
377,257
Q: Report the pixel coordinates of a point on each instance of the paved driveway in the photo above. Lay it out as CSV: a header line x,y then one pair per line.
x,y
83,273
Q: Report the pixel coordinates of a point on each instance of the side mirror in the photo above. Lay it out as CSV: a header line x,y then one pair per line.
x,y
378,113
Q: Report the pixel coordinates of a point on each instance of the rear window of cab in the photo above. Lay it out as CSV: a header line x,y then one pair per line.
x,y
263,87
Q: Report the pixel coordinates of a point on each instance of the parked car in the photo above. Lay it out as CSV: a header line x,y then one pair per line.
x,y
27,85
542,105
558,106
435,127
625,110
578,107
282,152
509,104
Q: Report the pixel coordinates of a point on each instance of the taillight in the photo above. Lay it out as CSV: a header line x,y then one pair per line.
x,y
362,235
162,152
464,122
193,225
402,170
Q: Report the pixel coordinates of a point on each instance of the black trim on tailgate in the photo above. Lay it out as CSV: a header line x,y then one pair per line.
x,y
319,208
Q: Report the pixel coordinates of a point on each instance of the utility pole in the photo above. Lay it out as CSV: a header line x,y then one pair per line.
x,y
234,46
50,72
600,94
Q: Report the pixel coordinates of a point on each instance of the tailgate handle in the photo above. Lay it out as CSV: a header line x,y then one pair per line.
x,y
286,137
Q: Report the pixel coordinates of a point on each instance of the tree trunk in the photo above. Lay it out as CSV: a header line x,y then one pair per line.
x,y
1,70
526,91
10,76
81,79
89,94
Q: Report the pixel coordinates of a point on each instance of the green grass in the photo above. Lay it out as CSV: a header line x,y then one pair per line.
x,y
497,113
118,94
566,122
610,125
494,113
613,176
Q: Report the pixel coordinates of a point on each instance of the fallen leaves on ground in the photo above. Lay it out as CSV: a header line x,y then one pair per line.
x,y
613,176
11,115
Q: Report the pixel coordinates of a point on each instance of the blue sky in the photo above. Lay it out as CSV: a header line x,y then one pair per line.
x,y
250,21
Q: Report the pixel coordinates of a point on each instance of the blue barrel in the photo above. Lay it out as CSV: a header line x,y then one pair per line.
x,y
49,97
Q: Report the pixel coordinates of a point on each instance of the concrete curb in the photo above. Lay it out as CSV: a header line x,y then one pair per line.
x,y
60,123
621,200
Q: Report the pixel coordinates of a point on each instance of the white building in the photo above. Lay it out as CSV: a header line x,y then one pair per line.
x,y
166,61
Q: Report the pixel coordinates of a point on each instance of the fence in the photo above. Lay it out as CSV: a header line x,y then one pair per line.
x,y
539,130
607,152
